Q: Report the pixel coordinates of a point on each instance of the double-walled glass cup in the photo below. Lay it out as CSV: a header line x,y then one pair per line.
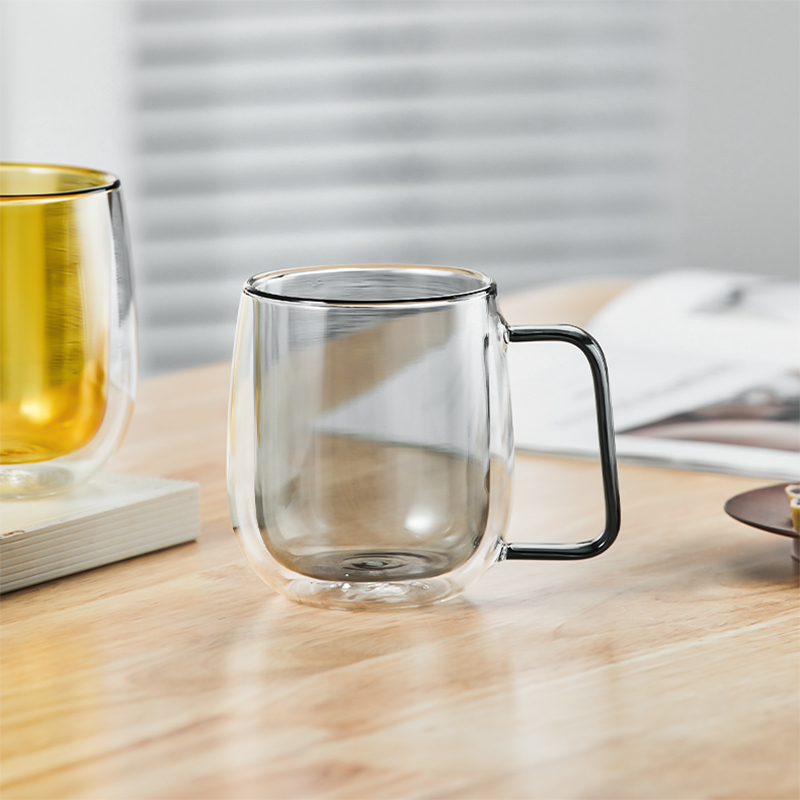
x,y
67,326
370,441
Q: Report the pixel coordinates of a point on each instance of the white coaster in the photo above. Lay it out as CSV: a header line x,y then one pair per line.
x,y
108,519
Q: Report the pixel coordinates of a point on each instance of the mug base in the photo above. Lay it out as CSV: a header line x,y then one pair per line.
x,y
369,579
33,480
347,595
375,566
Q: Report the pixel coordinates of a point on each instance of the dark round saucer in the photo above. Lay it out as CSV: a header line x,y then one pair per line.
x,y
767,509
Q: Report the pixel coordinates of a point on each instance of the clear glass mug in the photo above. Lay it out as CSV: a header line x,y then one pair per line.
x,y
67,326
370,446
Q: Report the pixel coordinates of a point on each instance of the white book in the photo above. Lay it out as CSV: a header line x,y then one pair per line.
x,y
108,519
704,370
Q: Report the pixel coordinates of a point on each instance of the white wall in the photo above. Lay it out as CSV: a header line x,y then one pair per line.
x,y
741,165
66,96
66,85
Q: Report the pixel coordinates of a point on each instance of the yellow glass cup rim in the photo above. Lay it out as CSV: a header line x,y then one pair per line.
x,y
19,181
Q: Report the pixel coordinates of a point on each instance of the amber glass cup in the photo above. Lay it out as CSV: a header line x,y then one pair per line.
x,y
67,326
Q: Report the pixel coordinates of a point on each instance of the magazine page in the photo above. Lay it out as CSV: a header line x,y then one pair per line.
x,y
704,370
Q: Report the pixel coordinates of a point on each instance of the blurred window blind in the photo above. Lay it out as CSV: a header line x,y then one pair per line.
x,y
525,139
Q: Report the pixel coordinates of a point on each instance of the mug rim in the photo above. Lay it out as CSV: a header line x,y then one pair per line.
x,y
488,286
97,180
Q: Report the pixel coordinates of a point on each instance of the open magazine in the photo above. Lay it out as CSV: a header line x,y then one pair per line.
x,y
704,370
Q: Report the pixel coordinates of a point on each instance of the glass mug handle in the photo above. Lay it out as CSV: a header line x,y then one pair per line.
x,y
605,431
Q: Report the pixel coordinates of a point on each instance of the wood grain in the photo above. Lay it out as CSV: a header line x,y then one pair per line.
x,y
666,668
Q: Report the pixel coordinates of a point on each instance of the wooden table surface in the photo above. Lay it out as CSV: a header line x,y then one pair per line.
x,y
666,668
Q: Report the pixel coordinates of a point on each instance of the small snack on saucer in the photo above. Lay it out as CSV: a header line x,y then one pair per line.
x,y
794,504
792,490
793,493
